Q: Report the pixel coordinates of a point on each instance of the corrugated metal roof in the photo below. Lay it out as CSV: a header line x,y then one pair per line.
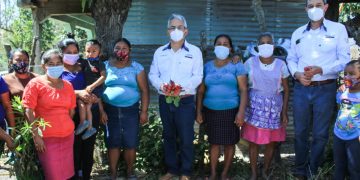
x,y
147,20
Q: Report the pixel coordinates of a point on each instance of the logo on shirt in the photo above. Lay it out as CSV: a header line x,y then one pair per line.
x,y
189,56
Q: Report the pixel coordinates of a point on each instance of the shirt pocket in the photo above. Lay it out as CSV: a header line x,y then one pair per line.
x,y
328,44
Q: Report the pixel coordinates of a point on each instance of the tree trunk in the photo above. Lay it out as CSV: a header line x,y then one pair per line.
x,y
109,16
260,15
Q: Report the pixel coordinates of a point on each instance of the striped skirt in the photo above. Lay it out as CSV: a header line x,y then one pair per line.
x,y
220,126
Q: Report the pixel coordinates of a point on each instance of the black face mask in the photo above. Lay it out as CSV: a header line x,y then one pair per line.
x,y
20,68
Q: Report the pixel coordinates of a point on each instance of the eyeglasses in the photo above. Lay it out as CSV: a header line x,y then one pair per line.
x,y
21,60
181,28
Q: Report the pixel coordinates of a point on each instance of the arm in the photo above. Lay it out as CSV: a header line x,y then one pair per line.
x,y
243,91
5,99
342,51
103,115
284,112
144,91
97,83
197,73
39,143
8,139
154,74
199,102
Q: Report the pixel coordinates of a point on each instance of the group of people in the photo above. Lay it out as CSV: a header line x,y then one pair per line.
x,y
233,100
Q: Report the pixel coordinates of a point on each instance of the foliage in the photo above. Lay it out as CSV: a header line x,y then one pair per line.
x,y
25,161
348,10
81,37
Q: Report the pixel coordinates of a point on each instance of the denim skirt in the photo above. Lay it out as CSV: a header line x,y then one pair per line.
x,y
122,129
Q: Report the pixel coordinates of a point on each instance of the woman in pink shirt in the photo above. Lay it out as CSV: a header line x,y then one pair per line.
x,y
52,99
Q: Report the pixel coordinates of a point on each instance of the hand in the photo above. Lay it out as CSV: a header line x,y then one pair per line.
x,y
235,59
84,96
342,88
312,71
89,89
103,117
39,144
143,117
10,143
93,98
239,119
199,118
284,119
304,80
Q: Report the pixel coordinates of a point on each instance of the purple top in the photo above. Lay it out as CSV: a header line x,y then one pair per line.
x,y
3,89
76,79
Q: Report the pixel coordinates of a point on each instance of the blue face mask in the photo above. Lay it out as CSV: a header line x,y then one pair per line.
x,y
55,71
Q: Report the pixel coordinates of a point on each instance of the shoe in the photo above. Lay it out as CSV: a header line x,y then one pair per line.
x,y
183,177
81,128
88,133
167,176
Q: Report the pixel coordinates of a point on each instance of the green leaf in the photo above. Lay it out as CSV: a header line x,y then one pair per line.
x,y
169,99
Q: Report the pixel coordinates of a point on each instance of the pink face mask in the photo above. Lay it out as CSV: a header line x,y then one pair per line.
x,y
70,59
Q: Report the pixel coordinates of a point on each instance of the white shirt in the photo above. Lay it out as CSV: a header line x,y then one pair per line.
x,y
184,67
325,47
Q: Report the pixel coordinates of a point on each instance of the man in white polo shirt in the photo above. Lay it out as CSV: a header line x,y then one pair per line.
x,y
319,51
182,63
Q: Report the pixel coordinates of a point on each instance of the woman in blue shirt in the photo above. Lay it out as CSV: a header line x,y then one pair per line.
x,y
221,102
125,85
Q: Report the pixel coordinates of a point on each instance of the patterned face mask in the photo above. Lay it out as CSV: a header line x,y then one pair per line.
x,y
20,68
350,81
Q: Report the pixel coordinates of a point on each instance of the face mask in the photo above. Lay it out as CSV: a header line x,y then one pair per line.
x,y
315,14
70,58
176,35
121,55
266,50
55,71
350,81
221,52
93,59
20,68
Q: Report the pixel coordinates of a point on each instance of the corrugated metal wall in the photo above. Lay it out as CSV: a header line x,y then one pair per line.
x,y
147,20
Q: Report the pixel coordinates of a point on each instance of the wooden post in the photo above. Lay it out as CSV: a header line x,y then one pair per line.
x,y
38,16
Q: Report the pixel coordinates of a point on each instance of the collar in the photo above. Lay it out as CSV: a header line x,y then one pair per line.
x,y
323,26
184,46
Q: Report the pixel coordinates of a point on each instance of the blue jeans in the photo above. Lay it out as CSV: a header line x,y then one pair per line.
x,y
347,158
178,126
318,103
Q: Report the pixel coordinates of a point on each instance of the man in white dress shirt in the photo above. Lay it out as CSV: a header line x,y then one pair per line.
x,y
319,51
182,63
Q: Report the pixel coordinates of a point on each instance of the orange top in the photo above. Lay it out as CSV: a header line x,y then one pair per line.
x,y
51,104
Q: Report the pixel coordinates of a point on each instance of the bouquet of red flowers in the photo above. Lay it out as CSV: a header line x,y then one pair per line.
x,y
172,93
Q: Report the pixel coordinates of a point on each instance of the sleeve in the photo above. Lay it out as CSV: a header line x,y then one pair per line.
x,y
338,94
292,58
240,69
284,70
342,53
3,86
138,68
247,65
154,74
30,95
197,72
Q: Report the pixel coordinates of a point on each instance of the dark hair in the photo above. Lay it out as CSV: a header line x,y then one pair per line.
x,y
227,37
63,44
352,63
124,40
265,34
45,58
18,50
306,2
93,42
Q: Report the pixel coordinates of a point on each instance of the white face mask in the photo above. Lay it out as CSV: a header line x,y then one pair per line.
x,y
266,50
70,59
315,14
176,35
221,52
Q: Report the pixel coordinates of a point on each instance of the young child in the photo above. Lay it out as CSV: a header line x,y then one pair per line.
x,y
94,71
266,114
347,126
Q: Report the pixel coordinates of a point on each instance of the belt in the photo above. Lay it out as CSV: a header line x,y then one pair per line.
x,y
319,83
